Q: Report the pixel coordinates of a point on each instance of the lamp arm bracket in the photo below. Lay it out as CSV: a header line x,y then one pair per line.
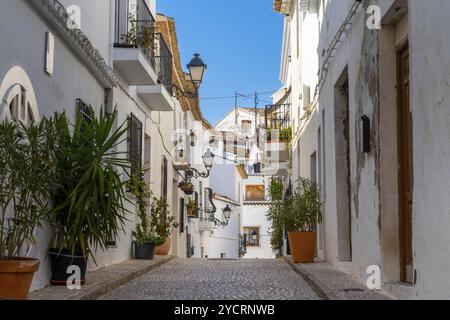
x,y
179,93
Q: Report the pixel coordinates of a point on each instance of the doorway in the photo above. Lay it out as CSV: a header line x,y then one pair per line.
x,y
405,165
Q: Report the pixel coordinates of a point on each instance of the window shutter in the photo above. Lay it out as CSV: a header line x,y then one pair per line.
x,y
164,177
135,144
181,222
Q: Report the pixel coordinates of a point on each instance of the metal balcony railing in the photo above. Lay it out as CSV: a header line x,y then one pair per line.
x,y
164,62
135,28
278,117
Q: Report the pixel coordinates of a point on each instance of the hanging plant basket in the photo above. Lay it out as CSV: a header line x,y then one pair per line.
x,y
186,187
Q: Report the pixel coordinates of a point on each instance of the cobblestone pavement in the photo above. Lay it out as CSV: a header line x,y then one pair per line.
x,y
200,279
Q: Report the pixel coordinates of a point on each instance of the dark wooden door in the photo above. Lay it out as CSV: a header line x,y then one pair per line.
x,y
405,166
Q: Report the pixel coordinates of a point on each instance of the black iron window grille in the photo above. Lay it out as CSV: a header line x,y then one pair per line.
x,y
85,110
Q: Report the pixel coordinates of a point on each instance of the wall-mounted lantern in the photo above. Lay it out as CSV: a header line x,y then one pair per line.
x,y
226,214
197,70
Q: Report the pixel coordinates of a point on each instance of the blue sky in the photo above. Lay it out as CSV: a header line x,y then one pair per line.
x,y
239,40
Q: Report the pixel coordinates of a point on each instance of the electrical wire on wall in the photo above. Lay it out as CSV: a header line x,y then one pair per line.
x,y
324,69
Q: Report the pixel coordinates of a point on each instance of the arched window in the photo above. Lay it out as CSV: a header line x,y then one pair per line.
x,y
18,101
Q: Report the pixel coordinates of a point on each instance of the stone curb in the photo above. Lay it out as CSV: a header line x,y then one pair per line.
x,y
316,284
103,288
99,289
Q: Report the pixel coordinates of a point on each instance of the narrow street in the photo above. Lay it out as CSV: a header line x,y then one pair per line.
x,y
200,279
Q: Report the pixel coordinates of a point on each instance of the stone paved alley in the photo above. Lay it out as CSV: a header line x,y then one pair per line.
x,y
200,279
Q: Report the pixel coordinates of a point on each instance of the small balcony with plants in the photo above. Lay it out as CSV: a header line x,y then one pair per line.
x,y
182,151
134,43
160,95
278,134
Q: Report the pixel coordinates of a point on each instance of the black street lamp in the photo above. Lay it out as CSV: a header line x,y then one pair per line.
x,y
254,237
208,161
226,214
197,70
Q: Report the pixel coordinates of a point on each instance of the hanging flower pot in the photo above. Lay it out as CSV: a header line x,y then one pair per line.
x,y
187,187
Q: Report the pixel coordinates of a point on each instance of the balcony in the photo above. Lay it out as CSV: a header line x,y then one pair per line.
x,y
206,225
276,151
276,169
182,158
278,134
134,44
159,97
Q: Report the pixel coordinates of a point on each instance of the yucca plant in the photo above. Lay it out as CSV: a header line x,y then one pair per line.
x,y
90,202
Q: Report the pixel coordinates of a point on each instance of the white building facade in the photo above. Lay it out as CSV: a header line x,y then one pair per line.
x,y
71,54
237,138
369,86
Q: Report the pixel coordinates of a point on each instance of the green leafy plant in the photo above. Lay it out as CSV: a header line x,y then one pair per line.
x,y
27,178
90,200
275,213
192,208
162,222
186,186
192,205
142,35
144,231
304,209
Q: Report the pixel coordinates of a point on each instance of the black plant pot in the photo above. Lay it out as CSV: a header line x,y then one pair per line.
x,y
61,262
145,251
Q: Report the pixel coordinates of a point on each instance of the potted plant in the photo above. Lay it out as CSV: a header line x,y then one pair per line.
x,y
192,209
89,202
162,224
300,216
27,178
145,237
187,187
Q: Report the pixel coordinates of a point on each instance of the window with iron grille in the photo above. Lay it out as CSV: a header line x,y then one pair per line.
x,y
85,110
135,130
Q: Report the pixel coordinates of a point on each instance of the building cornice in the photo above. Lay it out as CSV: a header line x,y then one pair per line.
x,y
56,14
225,199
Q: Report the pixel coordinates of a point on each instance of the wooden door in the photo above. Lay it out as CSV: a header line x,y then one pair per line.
x,y
405,166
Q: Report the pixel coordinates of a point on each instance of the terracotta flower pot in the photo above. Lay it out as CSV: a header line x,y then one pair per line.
x,y
16,276
163,250
303,245
192,213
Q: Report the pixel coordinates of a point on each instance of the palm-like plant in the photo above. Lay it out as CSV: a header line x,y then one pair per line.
x,y
90,203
